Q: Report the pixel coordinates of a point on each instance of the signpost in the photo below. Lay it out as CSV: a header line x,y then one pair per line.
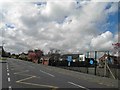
x,y
69,59
87,62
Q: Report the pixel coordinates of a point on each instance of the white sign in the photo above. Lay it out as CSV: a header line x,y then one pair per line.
x,y
81,57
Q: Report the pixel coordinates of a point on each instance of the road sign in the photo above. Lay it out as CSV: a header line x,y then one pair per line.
x,y
91,61
69,58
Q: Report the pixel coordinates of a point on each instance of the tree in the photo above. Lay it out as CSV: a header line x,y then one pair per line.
x,y
39,54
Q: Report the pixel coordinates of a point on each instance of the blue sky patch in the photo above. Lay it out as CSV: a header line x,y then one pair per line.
x,y
9,25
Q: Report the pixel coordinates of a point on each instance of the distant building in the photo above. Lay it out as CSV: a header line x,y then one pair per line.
x,y
45,60
74,56
81,57
114,60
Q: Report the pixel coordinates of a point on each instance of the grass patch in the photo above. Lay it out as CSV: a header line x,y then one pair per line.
x,y
3,58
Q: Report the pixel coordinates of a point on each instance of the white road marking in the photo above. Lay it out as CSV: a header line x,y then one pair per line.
x,y
7,70
21,72
10,87
25,79
78,85
32,67
8,79
8,74
7,65
47,73
46,86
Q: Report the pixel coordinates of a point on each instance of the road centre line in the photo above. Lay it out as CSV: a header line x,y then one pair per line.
x,y
47,73
10,88
8,74
8,79
7,70
7,66
78,85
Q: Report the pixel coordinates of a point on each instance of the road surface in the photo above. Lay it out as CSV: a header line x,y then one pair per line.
x,y
23,75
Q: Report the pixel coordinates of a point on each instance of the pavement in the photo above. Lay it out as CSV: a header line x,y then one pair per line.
x,y
18,74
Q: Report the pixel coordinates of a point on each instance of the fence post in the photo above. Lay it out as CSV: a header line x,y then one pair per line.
x,y
95,61
105,66
87,61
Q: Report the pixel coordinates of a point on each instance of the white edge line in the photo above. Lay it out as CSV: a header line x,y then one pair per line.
x,y
78,85
8,74
47,73
10,87
8,79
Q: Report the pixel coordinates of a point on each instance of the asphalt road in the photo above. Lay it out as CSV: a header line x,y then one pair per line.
x,y
18,74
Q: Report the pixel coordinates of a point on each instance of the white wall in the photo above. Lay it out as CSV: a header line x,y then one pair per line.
x,y
81,57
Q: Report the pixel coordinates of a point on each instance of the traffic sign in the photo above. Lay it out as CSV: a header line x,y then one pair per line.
x,y
69,58
91,61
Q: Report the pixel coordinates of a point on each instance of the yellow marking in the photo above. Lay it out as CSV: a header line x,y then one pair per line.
x,y
14,68
21,72
25,79
27,75
48,86
100,83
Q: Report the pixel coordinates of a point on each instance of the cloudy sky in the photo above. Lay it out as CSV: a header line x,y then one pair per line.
x,y
70,26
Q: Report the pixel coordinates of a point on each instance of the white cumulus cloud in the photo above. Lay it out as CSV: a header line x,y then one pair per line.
x,y
68,26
